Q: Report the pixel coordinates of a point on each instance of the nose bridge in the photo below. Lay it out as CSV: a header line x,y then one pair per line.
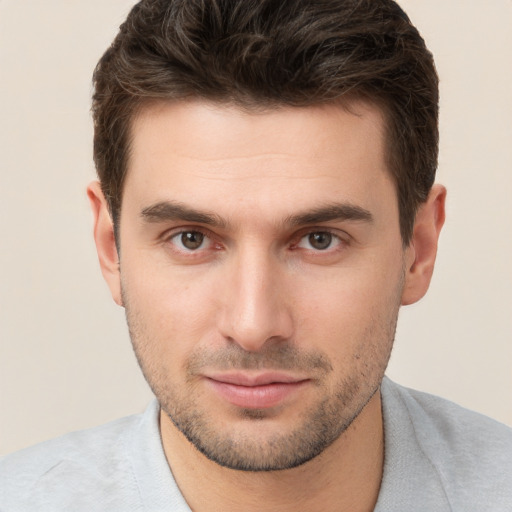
x,y
255,309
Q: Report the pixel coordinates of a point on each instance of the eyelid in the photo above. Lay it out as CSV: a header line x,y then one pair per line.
x,y
170,233
167,237
342,236
338,233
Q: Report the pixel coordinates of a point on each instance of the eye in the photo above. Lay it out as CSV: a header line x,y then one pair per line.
x,y
319,241
189,241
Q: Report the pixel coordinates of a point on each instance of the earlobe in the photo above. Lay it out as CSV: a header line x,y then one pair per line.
x,y
105,240
420,256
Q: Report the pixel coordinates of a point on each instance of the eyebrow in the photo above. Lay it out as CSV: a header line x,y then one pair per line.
x,y
331,212
173,211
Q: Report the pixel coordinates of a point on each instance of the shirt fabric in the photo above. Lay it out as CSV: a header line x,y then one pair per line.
x,y
438,457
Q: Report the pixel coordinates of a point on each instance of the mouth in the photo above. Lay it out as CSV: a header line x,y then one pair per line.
x,y
255,391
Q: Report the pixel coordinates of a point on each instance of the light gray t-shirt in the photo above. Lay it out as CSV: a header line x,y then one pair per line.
x,y
438,457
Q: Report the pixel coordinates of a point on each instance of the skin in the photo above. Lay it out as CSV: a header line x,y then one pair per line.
x,y
258,248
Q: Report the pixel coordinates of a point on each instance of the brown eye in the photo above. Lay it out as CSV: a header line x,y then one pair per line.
x,y
191,240
320,240
186,241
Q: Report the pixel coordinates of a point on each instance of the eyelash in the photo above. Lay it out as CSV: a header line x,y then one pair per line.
x,y
335,239
339,241
181,232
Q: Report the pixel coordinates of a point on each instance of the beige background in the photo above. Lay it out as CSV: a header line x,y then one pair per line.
x,y
65,358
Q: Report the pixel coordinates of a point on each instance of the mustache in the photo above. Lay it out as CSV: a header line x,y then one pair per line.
x,y
276,357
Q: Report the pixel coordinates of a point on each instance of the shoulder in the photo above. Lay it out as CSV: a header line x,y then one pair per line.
x,y
470,453
68,468
452,423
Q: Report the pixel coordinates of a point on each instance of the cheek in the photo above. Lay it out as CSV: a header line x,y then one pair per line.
x,y
176,309
348,307
167,311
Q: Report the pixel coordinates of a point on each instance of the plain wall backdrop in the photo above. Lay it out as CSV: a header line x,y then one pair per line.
x,y
65,358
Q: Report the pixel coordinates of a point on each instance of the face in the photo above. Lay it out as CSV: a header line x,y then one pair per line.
x,y
262,269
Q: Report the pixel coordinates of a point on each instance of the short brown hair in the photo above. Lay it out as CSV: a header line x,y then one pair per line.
x,y
261,54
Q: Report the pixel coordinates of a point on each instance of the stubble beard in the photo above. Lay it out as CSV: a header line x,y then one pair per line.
x,y
318,429
321,425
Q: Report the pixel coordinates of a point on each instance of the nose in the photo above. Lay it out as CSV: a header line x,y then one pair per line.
x,y
255,308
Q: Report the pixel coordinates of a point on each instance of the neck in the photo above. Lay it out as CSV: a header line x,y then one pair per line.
x,y
345,477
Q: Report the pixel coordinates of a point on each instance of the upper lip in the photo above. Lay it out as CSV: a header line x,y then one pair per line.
x,y
257,379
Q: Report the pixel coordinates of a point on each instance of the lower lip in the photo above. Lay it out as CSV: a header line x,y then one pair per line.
x,y
256,397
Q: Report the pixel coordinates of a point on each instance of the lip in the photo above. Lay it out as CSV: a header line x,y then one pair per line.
x,y
258,391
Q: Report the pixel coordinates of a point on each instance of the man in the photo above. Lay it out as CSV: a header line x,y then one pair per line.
x,y
265,206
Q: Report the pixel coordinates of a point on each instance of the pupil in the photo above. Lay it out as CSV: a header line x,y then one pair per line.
x,y
320,240
192,239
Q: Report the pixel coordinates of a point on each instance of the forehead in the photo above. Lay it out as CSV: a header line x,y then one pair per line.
x,y
216,155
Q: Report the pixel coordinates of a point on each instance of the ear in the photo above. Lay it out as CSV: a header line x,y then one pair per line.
x,y
420,255
105,240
